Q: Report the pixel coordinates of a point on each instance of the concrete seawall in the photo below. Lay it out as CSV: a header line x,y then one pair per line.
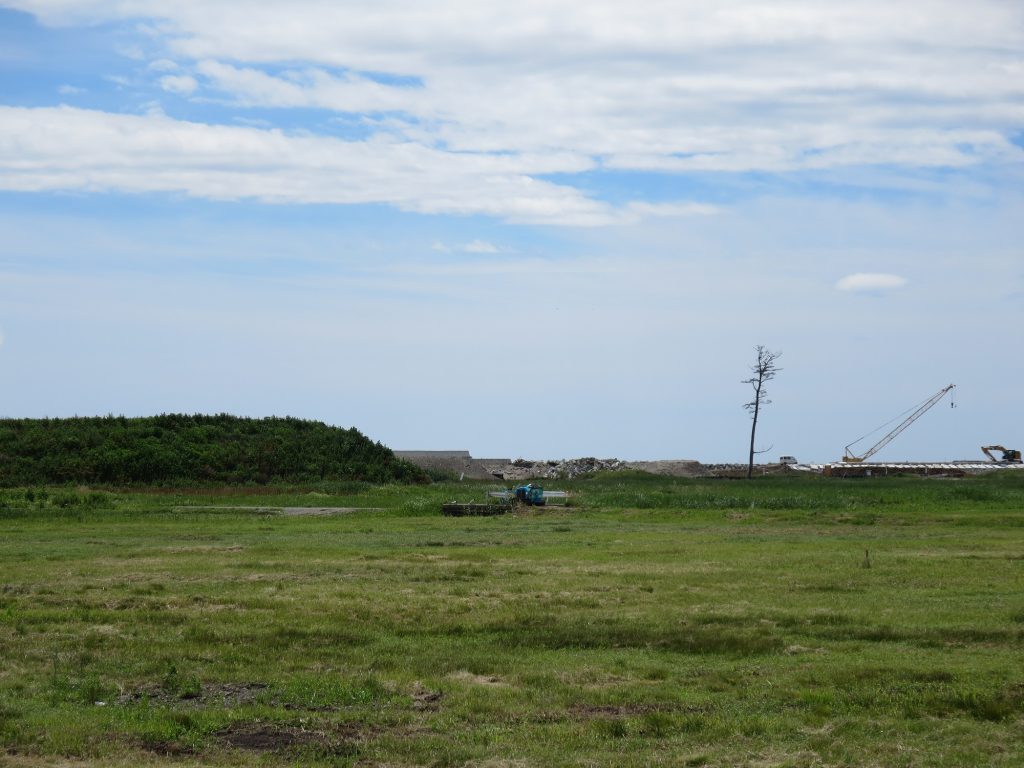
x,y
459,463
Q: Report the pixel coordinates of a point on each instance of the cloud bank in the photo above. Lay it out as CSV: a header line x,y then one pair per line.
x,y
482,101
68,148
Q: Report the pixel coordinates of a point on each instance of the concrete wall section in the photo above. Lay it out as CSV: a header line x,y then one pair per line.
x,y
439,455
458,463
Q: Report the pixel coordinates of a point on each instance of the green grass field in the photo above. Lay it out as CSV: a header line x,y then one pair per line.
x,y
779,622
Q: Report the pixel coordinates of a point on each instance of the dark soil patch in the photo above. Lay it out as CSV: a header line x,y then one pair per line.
x,y
262,737
422,698
166,748
208,694
277,737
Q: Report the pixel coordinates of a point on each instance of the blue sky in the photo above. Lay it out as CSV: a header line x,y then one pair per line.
x,y
546,230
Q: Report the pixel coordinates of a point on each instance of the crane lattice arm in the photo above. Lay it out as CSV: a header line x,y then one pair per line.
x,y
918,412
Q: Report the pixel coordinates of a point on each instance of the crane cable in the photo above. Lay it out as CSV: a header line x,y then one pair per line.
x,y
878,429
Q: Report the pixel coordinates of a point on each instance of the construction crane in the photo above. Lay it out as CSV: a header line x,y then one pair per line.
x,y
1010,455
850,457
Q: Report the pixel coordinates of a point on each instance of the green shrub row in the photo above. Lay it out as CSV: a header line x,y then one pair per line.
x,y
178,449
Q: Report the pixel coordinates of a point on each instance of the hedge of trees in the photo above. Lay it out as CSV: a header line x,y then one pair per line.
x,y
177,449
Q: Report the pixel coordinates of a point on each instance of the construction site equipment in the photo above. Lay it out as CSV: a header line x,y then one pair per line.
x,y
529,494
500,502
1010,455
918,411
457,509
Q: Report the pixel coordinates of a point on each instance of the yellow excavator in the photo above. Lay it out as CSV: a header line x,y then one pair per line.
x,y
1010,455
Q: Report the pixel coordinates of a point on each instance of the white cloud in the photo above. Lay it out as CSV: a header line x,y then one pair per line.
x,y
663,85
439,247
131,51
65,148
314,88
180,84
69,90
636,211
480,246
669,122
871,282
163,65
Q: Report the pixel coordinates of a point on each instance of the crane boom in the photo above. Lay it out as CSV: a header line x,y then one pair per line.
x,y
918,412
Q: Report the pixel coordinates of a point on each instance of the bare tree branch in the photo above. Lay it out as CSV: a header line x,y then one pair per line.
x,y
763,371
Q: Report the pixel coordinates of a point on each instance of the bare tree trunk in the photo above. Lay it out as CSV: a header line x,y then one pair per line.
x,y
753,431
764,370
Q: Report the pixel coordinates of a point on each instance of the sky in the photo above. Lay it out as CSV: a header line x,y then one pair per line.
x,y
535,229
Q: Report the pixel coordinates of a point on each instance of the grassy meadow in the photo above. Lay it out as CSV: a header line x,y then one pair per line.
x,y
787,621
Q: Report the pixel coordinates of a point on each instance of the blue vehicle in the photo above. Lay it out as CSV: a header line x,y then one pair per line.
x,y
530,494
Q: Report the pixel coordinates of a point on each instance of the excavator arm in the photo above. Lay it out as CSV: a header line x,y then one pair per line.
x,y
987,450
1010,455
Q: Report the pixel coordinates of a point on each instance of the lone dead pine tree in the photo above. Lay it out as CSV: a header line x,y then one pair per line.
x,y
764,370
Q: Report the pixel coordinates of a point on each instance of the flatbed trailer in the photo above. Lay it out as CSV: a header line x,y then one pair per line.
x,y
457,509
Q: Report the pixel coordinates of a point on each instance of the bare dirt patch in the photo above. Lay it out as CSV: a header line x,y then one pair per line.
x,y
276,737
464,676
672,468
207,694
166,748
425,699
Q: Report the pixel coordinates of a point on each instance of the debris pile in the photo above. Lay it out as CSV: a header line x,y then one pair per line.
x,y
565,469
728,467
459,464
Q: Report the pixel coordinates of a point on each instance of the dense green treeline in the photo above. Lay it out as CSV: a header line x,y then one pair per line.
x,y
177,449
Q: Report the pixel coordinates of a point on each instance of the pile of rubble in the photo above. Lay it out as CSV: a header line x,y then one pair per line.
x,y
565,469
740,470
459,464
735,467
